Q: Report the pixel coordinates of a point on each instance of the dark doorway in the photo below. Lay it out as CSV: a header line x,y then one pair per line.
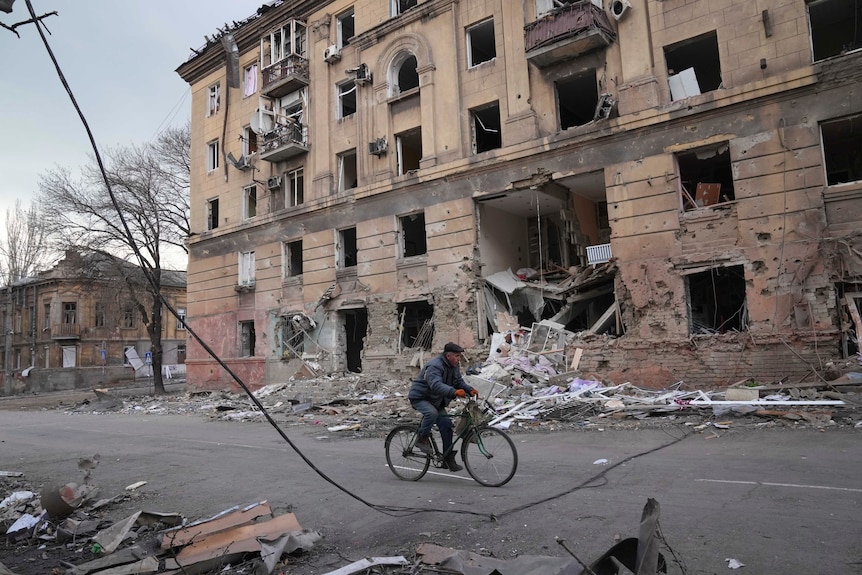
x,y
355,328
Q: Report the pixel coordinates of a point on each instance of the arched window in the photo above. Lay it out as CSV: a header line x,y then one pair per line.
x,y
403,74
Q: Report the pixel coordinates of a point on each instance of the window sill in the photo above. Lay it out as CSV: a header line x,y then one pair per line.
x,y
244,288
406,95
411,261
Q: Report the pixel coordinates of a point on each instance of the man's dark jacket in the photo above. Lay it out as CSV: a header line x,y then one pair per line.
x,y
437,383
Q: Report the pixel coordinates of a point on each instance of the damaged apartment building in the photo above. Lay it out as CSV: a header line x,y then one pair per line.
x,y
675,183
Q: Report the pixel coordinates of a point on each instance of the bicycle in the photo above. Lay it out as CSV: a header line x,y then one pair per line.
x,y
488,454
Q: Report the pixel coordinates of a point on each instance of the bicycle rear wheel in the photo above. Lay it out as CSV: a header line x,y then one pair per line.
x,y
490,456
404,458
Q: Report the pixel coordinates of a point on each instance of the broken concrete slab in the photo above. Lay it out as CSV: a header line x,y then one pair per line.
x,y
113,536
468,563
363,564
227,519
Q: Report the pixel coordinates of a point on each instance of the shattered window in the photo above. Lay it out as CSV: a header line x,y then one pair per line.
x,y
292,259
842,149
212,214
405,75
693,66
705,176
292,339
347,252
481,45
346,99
485,128
399,6
295,184
835,27
212,156
345,27
246,339
413,241
249,206
577,99
213,99
409,150
716,300
347,176
417,325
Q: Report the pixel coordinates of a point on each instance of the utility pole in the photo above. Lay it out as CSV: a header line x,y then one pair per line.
x,y
7,335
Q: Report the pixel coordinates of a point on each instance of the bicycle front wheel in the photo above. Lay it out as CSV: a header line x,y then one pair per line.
x,y
404,458
489,456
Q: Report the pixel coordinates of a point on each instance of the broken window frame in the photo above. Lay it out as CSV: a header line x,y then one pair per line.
x,y
408,157
347,252
718,293
292,339
835,144
827,36
291,257
249,202
403,74
346,99
280,43
345,27
249,141
397,7
484,124
213,99
481,43
348,171
416,324
100,314
213,158
706,64
690,198
413,243
46,318
575,84
247,338
212,214
130,317
249,80
294,187
246,268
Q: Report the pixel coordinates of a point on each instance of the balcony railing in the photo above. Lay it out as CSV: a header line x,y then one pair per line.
x,y
567,32
285,76
284,141
65,331
599,254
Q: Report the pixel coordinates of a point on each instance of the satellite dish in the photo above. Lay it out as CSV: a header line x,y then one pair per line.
x,y
261,121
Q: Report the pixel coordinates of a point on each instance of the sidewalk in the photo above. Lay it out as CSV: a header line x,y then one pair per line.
x,y
76,396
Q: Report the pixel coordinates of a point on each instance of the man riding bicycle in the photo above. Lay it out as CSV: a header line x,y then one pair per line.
x,y
438,383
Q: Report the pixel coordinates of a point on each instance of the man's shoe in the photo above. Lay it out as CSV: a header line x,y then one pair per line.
x,y
450,463
424,445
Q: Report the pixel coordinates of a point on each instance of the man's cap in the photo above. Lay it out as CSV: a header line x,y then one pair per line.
x,y
452,348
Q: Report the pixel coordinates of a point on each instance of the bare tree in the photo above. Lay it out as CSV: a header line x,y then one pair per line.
x,y
23,251
149,221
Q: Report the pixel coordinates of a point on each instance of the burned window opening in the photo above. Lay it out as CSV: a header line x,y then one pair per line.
x,y
413,239
485,128
481,46
347,252
693,66
842,149
409,150
417,325
716,301
577,99
835,27
705,176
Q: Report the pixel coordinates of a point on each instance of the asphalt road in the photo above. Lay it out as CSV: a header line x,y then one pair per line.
x,y
779,501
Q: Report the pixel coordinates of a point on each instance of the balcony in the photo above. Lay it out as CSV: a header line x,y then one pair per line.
x,y
599,254
285,76
284,141
567,32
65,331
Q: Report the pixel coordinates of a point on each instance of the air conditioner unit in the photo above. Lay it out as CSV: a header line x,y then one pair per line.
x,y
331,54
619,8
378,147
273,182
363,75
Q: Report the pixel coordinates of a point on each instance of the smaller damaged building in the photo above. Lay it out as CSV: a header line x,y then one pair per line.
x,y
678,187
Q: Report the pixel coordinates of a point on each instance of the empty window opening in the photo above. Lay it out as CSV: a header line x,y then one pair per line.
x,y
481,46
409,150
842,149
836,27
413,240
400,6
249,141
345,28
347,252
347,178
213,99
716,300
249,202
407,76
249,80
292,255
416,321
101,315
295,185
577,99
355,330
278,44
212,214
212,156
246,339
693,66
246,268
346,99
485,128
129,317
705,176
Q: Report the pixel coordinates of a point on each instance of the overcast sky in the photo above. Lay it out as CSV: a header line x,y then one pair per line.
x,y
119,58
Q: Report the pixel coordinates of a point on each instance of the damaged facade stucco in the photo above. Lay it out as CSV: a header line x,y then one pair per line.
x,y
785,238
